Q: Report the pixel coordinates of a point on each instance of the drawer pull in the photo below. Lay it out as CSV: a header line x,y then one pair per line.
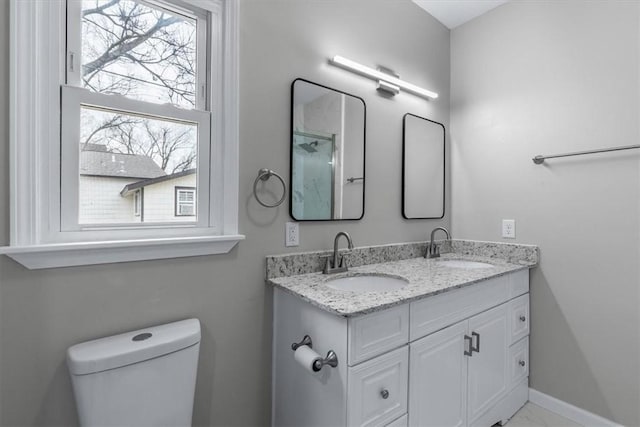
x,y
384,393
468,340
522,363
477,347
523,319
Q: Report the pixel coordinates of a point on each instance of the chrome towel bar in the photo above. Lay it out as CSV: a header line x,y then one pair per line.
x,y
539,159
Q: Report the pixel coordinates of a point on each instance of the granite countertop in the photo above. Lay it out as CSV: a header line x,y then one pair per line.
x,y
426,277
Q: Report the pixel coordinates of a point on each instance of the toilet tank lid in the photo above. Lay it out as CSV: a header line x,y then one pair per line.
x,y
132,347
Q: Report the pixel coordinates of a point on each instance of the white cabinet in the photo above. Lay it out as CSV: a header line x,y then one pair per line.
x,y
377,332
377,392
438,380
459,372
488,368
519,318
455,359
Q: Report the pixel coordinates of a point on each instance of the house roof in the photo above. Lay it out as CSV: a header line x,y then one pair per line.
x,y
103,163
94,147
128,189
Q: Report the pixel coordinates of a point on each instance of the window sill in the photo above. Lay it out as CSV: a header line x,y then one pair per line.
x,y
73,254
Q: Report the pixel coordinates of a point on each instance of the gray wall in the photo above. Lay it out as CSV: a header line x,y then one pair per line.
x,y
44,312
541,78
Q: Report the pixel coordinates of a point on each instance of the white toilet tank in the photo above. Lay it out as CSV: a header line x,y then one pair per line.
x,y
139,378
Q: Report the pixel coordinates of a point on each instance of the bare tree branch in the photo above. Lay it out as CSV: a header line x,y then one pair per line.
x,y
99,9
133,49
120,48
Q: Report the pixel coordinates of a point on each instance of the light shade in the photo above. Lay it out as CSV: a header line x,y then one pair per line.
x,y
378,75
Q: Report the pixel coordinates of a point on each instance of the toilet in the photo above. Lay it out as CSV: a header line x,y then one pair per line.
x,y
140,378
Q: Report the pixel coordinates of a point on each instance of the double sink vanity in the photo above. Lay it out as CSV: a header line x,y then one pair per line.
x,y
394,335
399,339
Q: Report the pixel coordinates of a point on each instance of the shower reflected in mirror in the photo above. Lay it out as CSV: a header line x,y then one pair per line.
x,y
327,153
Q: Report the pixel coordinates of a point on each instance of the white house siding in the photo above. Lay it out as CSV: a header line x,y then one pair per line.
x,y
100,201
159,200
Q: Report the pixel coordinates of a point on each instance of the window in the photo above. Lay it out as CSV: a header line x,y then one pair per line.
x,y
146,98
137,203
185,201
153,56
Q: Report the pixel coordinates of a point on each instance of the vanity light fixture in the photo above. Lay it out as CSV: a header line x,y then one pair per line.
x,y
386,82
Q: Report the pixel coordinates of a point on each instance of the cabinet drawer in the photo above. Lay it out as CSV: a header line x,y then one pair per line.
x,y
518,362
434,313
403,421
377,389
519,318
377,332
519,283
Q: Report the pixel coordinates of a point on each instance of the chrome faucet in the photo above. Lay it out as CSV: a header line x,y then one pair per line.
x,y
339,264
432,250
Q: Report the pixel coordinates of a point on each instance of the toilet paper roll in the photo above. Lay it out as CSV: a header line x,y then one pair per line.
x,y
306,357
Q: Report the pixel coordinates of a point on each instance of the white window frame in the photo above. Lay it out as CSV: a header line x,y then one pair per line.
x,y
178,203
37,70
67,207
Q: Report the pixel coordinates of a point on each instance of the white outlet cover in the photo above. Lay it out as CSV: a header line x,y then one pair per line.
x,y
291,234
509,228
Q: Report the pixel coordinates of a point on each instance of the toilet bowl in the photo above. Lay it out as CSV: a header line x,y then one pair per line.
x,y
140,378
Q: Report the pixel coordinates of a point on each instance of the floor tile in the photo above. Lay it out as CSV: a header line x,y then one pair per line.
x,y
534,416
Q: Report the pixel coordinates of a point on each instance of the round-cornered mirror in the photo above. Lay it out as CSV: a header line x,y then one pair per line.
x,y
423,168
327,153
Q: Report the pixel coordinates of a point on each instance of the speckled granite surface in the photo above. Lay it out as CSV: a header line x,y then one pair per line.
x,y
300,274
309,262
513,253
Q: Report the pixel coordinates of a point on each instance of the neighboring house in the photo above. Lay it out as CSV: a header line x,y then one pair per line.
x,y
164,199
129,188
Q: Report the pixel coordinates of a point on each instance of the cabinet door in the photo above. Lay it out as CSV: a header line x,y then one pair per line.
x,y
438,378
488,366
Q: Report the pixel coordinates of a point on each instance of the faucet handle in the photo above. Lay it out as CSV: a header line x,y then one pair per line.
x,y
327,264
433,250
343,261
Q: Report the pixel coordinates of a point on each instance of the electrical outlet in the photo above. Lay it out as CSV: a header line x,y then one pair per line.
x,y
291,234
509,228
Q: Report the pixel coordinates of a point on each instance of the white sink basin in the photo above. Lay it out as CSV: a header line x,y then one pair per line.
x,y
367,283
467,265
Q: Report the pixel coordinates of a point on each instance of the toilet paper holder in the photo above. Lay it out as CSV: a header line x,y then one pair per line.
x,y
330,360
306,340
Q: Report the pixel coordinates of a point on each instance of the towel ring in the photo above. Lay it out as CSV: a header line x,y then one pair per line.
x,y
263,175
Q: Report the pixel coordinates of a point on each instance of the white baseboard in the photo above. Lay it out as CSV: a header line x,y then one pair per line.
x,y
569,411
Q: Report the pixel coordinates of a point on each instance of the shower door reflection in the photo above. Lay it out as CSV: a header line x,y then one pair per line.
x,y
327,153
313,175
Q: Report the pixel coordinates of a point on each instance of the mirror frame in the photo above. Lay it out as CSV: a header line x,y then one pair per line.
x,y
404,166
364,152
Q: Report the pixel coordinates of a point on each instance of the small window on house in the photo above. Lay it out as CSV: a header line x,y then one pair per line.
x,y
137,203
185,204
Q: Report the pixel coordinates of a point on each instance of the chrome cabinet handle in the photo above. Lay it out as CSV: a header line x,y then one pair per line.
x,y
469,340
522,363
477,347
522,318
384,393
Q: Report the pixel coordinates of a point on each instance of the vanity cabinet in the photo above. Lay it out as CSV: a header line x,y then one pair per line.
x,y
459,372
459,358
